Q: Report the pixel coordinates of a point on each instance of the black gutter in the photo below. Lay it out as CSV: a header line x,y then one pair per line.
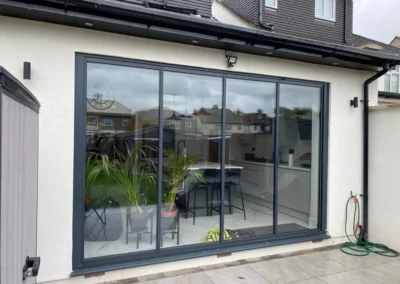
x,y
345,22
364,231
268,26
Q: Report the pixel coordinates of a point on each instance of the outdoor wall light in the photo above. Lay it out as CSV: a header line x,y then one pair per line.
x,y
27,70
231,59
354,102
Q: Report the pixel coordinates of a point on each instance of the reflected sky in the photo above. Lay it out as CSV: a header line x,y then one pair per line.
x,y
300,96
138,89
187,91
249,96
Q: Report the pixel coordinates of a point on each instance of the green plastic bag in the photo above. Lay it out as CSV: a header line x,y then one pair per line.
x,y
213,236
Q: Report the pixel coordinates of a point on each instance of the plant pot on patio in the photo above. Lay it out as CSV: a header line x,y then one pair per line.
x,y
138,221
169,219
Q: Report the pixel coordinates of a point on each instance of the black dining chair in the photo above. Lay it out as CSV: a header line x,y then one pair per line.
x,y
232,179
208,176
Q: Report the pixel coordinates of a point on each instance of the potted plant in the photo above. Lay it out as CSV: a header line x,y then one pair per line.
x,y
93,171
133,178
176,170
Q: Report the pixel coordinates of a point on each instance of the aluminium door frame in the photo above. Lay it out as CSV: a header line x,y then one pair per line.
x,y
158,255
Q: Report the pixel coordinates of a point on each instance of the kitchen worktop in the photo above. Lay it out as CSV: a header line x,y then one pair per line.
x,y
281,166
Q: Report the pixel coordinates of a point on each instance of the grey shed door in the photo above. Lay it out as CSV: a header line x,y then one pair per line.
x,y
19,180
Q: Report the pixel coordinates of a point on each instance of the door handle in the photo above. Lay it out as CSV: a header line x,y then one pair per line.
x,y
31,267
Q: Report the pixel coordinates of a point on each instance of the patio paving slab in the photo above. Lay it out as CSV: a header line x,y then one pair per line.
x,y
310,281
353,262
236,275
195,278
321,267
384,273
280,271
318,264
353,277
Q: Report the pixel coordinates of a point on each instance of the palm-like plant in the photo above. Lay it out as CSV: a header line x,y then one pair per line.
x,y
132,175
92,172
177,169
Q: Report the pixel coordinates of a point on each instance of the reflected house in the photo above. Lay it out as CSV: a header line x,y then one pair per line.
x,y
259,123
235,123
145,118
102,118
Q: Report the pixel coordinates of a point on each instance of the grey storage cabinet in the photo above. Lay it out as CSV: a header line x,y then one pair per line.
x,y
19,136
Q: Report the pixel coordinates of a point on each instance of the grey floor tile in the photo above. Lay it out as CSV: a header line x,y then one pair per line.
x,y
317,264
280,271
385,259
236,275
384,273
195,278
353,262
353,277
310,281
395,263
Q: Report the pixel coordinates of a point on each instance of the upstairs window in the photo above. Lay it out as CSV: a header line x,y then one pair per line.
x,y
271,3
325,9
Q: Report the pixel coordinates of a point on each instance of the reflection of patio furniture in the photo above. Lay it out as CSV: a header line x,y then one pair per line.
x,y
139,230
174,230
232,178
101,216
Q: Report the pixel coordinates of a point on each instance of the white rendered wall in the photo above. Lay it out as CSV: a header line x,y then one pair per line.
x,y
384,190
51,50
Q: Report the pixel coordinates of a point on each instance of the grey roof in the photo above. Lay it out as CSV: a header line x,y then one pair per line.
x,y
216,116
357,41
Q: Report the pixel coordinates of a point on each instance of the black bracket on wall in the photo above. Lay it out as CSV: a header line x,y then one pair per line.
x,y
354,102
31,267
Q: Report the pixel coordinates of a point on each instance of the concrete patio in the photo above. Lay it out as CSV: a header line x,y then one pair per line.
x,y
329,266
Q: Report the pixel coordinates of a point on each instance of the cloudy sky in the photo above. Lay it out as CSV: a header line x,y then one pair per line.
x,y
379,20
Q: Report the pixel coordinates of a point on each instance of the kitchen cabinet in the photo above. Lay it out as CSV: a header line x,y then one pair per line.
x,y
257,180
288,133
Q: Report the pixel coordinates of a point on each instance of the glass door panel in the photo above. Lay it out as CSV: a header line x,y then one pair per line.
x,y
192,119
249,176
121,149
299,153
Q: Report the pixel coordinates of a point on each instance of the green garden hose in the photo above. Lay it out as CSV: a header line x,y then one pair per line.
x,y
360,247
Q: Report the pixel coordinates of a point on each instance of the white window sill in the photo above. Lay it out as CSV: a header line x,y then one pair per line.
x,y
271,7
325,19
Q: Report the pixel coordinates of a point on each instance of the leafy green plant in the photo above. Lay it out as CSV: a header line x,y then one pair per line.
x,y
132,173
176,170
92,172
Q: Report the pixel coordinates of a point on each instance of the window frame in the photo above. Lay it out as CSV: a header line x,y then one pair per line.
x,y
271,7
393,73
82,266
90,119
323,17
103,122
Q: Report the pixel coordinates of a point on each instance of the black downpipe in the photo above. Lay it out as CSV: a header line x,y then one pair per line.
x,y
345,22
268,26
366,147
